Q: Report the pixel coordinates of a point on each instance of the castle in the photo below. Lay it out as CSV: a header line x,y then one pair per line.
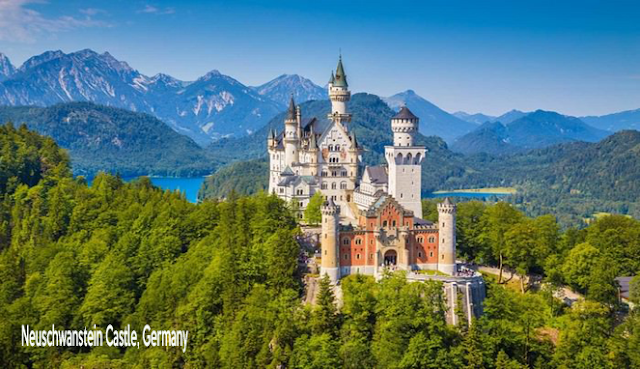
x,y
371,222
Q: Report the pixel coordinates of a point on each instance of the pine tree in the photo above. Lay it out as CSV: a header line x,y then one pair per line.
x,y
324,318
473,348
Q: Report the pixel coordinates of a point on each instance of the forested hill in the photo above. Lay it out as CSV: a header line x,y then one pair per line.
x,y
101,138
130,254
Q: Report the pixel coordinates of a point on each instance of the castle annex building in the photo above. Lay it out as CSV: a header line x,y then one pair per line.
x,y
372,217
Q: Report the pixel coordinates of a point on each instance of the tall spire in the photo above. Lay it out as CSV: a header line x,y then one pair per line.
x,y
340,79
291,113
332,80
312,139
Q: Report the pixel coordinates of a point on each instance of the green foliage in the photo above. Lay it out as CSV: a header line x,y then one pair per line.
x,y
634,290
243,178
227,271
313,212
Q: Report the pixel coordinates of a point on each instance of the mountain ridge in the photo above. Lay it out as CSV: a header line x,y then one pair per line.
x,y
102,138
283,87
538,129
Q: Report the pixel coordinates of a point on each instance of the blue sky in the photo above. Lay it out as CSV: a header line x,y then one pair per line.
x,y
578,58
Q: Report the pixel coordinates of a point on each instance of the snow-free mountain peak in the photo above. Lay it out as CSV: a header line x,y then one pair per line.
x,y
433,120
6,68
282,87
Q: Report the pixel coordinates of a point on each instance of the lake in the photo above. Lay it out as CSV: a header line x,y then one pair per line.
x,y
188,186
477,195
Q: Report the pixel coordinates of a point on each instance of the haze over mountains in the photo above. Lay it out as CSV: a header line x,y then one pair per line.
x,y
532,131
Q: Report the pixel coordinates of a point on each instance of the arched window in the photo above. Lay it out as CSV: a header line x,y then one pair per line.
x,y
393,224
420,255
323,185
330,147
345,241
358,241
384,223
343,185
432,239
358,256
337,147
333,186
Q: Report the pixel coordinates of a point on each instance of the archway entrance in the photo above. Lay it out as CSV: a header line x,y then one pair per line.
x,y
390,258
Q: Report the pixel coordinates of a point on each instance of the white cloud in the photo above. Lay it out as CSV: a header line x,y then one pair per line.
x,y
92,11
18,23
151,9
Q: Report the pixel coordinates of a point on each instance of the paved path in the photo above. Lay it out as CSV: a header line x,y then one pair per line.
x,y
562,293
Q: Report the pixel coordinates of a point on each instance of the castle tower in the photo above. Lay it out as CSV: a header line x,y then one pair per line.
x,y
404,161
339,95
291,135
274,172
329,240
447,232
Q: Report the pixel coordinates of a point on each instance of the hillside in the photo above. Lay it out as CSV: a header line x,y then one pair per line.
x,y
242,177
109,139
534,130
433,120
490,138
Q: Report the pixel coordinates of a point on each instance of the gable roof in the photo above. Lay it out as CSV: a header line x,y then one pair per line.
x,y
377,174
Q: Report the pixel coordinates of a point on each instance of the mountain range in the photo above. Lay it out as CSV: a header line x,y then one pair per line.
x,y
211,107
217,106
534,130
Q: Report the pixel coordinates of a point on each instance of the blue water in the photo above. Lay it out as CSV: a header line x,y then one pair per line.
x,y
188,186
477,195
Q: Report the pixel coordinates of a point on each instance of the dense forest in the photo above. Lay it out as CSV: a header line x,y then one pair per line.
x,y
129,253
101,138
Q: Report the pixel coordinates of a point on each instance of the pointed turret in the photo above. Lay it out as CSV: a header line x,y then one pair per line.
x,y
340,79
312,140
291,112
291,134
339,95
